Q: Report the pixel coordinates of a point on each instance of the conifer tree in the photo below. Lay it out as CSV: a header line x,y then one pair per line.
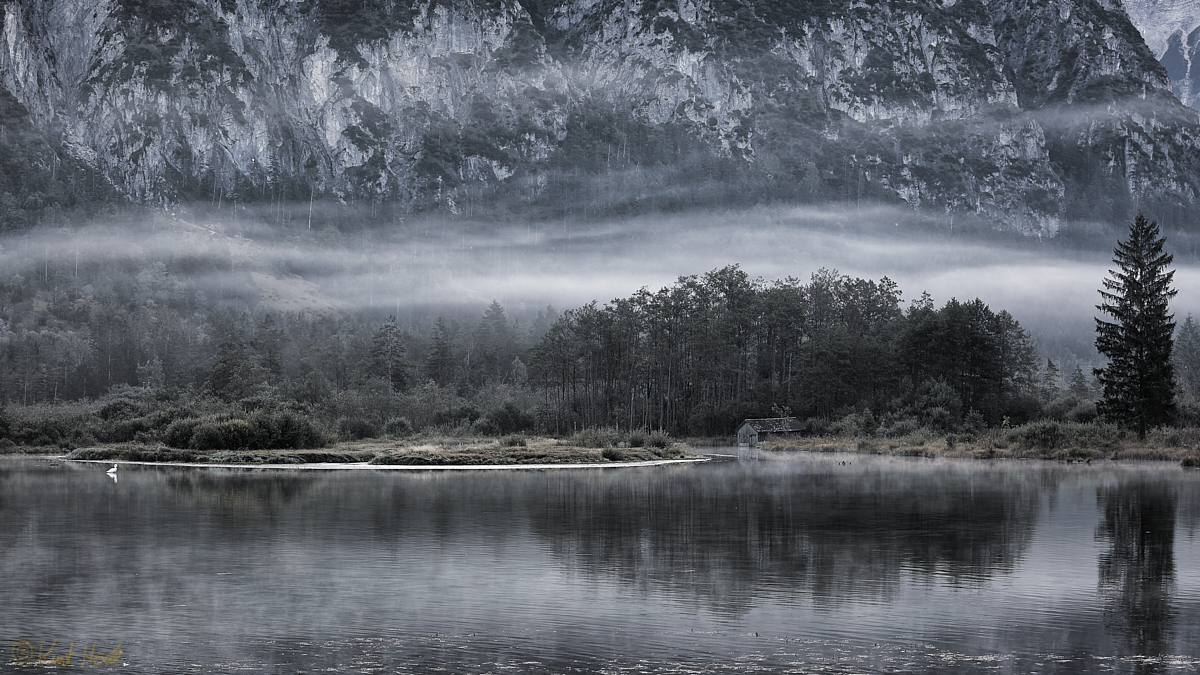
x,y
1187,357
441,362
1079,383
1138,382
1050,382
387,354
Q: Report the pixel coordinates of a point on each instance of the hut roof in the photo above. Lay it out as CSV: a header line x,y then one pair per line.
x,y
775,425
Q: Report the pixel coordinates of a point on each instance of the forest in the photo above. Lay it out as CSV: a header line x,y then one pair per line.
x,y
112,349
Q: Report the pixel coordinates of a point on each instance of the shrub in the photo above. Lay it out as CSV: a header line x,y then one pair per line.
x,y
613,454
456,416
1071,409
659,440
920,437
398,426
485,426
902,427
120,409
222,434
1058,408
637,439
938,418
513,441
36,432
262,431
587,438
818,425
509,419
178,434
1082,413
1190,461
124,430
137,453
1048,435
355,429
284,429
973,423
855,424
593,438
938,405
1022,408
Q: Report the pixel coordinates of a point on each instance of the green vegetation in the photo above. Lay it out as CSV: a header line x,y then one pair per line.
x,y
431,450
151,453
698,357
1045,439
1139,380
260,430
156,354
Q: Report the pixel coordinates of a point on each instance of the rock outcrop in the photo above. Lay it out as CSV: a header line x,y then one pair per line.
x,y
1020,113
1171,29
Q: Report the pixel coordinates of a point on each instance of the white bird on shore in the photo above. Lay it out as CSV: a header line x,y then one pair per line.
x,y
112,470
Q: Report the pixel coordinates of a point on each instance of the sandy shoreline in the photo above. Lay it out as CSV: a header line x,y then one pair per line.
x,y
328,466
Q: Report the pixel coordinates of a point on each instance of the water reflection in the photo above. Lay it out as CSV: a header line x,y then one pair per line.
x,y
831,531
799,563
1137,572
240,493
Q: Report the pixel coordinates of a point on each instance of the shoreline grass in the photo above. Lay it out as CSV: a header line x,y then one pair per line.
x,y
420,451
1046,440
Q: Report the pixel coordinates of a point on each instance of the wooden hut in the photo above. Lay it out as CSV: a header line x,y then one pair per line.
x,y
753,432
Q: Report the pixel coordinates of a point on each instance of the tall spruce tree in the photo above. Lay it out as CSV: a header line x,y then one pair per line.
x,y
1138,382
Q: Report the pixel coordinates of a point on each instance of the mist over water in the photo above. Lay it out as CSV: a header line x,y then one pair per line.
x,y
811,562
420,268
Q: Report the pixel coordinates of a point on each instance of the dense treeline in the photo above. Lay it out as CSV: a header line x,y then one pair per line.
x,y
697,357
180,352
129,345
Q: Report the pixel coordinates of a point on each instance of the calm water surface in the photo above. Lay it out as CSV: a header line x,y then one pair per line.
x,y
795,564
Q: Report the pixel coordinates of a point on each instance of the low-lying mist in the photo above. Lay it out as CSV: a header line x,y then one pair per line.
x,y
420,268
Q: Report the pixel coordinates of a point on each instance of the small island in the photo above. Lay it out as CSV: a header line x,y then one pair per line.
x,y
585,448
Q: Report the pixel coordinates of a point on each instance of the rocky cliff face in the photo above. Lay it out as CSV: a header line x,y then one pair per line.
x,y
1171,29
1018,112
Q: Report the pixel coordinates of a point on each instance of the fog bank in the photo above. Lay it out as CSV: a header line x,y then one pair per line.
x,y
436,265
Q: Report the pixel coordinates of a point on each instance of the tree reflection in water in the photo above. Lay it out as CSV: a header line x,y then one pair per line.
x,y
1137,573
816,527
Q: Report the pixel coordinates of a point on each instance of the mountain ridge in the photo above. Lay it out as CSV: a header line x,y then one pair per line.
x,y
1022,115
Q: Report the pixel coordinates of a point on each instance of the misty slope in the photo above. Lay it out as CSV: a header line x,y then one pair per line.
x,y
1023,113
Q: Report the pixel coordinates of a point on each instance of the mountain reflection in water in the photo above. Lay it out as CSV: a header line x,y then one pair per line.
x,y
800,562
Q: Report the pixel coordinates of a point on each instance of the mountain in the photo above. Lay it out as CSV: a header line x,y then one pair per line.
x,y
1171,29
1022,114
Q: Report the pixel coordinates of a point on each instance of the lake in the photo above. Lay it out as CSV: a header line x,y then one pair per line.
x,y
802,563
